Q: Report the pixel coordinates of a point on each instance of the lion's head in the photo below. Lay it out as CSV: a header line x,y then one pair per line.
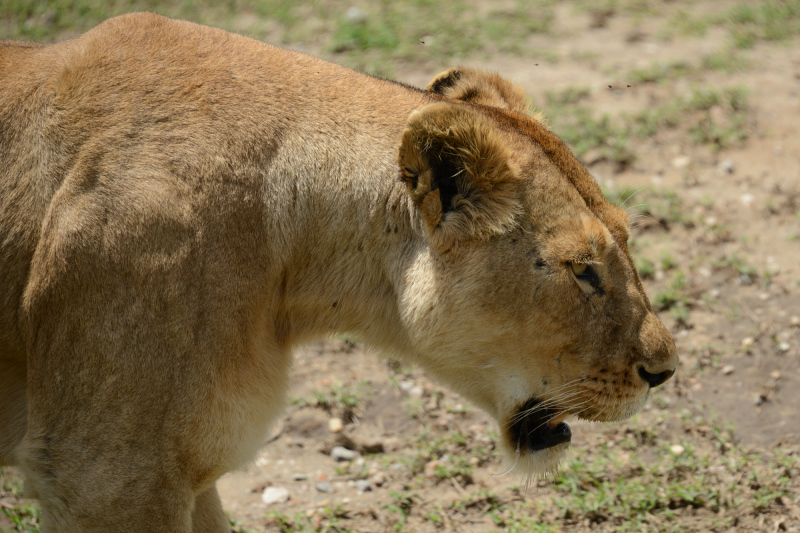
x,y
525,298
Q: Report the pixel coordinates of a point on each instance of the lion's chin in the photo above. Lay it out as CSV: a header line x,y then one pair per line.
x,y
537,438
524,463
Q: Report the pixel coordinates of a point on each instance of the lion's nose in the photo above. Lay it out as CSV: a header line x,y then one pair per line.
x,y
654,380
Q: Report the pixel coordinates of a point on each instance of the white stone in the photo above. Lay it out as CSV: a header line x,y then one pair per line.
x,y
273,495
355,15
340,453
362,485
676,449
335,425
726,167
681,161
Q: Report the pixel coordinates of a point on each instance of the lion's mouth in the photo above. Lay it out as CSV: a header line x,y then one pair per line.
x,y
538,428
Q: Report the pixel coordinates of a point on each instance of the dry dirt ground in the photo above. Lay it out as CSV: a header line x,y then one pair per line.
x,y
714,189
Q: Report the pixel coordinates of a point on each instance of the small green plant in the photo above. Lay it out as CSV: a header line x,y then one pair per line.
x,y
401,505
569,96
602,138
738,264
345,400
668,262
728,62
674,297
645,267
659,72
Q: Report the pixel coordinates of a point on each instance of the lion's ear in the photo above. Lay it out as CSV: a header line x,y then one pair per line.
x,y
469,85
458,171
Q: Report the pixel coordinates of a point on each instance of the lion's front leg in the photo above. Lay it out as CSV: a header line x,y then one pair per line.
x,y
98,470
208,516
101,488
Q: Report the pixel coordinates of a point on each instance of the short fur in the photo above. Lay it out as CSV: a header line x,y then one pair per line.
x,y
181,206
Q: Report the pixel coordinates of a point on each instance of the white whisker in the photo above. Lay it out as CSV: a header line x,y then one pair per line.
x,y
512,466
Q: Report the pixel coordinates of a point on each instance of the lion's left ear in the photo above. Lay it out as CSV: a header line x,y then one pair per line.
x,y
470,85
458,170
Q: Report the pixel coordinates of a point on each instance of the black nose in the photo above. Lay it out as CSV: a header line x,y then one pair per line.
x,y
654,380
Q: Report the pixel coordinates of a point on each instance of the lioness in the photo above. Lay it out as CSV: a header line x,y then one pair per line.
x,y
181,206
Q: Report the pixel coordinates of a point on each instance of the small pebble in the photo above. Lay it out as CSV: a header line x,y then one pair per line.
x,y
430,468
379,479
783,347
335,425
775,375
392,444
324,486
794,320
340,453
362,485
747,343
272,495
676,449
728,369
416,392
681,161
299,477
727,166
355,15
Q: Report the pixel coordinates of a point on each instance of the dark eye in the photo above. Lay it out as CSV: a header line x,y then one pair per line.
x,y
581,270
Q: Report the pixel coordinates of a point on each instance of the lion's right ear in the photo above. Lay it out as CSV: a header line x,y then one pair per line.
x,y
458,170
470,85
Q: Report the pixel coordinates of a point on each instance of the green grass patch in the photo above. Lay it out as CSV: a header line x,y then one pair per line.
x,y
726,61
767,20
344,400
369,37
590,137
715,117
16,514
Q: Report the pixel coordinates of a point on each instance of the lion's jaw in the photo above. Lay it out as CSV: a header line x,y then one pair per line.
x,y
533,349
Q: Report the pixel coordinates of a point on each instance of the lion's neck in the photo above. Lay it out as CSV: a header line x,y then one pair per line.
x,y
348,251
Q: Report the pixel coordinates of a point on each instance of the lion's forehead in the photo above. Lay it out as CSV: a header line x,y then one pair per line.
x,y
530,140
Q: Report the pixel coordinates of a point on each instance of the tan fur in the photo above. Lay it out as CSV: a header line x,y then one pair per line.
x,y
181,206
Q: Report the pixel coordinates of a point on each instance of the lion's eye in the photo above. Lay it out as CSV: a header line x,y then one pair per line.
x,y
579,269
